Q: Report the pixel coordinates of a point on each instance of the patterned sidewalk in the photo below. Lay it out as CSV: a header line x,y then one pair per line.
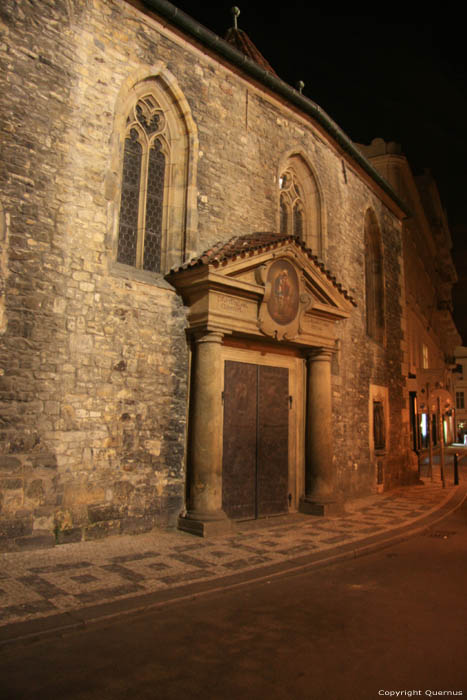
x,y
71,579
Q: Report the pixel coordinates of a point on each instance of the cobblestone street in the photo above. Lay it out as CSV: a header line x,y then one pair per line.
x,y
356,629
66,584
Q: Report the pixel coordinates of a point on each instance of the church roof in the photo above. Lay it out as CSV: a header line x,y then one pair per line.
x,y
252,243
242,42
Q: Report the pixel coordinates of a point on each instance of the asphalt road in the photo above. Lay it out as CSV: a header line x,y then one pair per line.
x,y
359,630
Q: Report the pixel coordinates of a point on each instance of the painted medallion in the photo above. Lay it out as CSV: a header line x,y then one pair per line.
x,y
283,302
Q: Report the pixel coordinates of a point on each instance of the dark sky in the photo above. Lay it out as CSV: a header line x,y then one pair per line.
x,y
403,82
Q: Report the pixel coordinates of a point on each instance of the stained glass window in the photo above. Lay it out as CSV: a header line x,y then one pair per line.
x,y
284,217
128,228
141,221
154,209
298,220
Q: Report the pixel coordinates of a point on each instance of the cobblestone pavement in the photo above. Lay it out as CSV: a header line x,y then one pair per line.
x,y
39,584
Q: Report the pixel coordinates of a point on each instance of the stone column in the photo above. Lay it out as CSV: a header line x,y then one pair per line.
x,y
320,478
204,510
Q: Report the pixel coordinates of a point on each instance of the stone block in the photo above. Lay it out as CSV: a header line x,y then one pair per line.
x,y
102,529
36,541
35,489
321,508
74,534
11,484
10,464
15,527
46,460
200,528
135,526
106,511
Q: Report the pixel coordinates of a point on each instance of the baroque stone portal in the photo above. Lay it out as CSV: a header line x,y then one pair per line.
x,y
236,294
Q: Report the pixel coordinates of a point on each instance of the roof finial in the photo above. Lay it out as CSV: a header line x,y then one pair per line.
x,y
235,12
300,86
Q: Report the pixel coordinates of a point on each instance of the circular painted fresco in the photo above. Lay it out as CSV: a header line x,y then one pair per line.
x,y
284,298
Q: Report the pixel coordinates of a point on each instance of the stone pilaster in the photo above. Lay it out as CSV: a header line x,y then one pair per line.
x,y
204,509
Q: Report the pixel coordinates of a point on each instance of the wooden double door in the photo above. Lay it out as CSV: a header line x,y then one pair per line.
x,y
255,440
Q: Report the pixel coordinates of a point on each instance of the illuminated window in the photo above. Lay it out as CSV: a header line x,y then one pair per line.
x,y
374,282
425,356
300,205
424,430
424,425
460,399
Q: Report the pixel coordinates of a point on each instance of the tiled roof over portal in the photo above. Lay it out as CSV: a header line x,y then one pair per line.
x,y
254,243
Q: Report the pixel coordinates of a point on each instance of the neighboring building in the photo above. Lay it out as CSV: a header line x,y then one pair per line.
x,y
460,392
202,295
429,273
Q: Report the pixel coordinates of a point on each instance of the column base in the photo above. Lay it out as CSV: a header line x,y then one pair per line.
x,y
312,506
205,524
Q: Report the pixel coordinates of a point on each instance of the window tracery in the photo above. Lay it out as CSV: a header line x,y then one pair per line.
x,y
300,208
151,181
143,191
291,205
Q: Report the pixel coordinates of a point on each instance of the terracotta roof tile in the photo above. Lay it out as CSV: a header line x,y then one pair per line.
x,y
249,244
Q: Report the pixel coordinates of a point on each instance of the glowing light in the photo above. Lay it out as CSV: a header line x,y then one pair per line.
x,y
424,424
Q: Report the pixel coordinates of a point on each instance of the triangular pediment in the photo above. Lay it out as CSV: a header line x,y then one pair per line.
x,y
274,284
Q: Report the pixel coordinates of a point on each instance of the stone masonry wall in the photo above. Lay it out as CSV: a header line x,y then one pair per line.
x,y
94,365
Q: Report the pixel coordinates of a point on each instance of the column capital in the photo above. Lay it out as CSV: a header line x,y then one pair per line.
x,y
206,336
319,354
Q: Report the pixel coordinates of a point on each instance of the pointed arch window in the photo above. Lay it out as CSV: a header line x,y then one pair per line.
x,y
374,281
300,210
291,205
152,176
144,185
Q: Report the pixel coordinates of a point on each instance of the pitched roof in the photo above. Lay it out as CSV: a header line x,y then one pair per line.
x,y
255,243
242,42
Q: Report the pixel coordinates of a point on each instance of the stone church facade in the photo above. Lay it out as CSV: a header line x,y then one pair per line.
x,y
201,284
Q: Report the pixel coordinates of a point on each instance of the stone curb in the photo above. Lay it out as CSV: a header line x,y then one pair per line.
x,y
72,621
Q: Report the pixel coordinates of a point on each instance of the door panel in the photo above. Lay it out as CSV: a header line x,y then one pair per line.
x,y
239,440
255,440
273,442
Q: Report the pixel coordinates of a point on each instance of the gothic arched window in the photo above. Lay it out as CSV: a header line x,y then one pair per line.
x,y
152,178
300,204
291,204
146,153
374,281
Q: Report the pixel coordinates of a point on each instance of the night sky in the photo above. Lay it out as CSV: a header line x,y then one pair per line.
x,y
402,82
